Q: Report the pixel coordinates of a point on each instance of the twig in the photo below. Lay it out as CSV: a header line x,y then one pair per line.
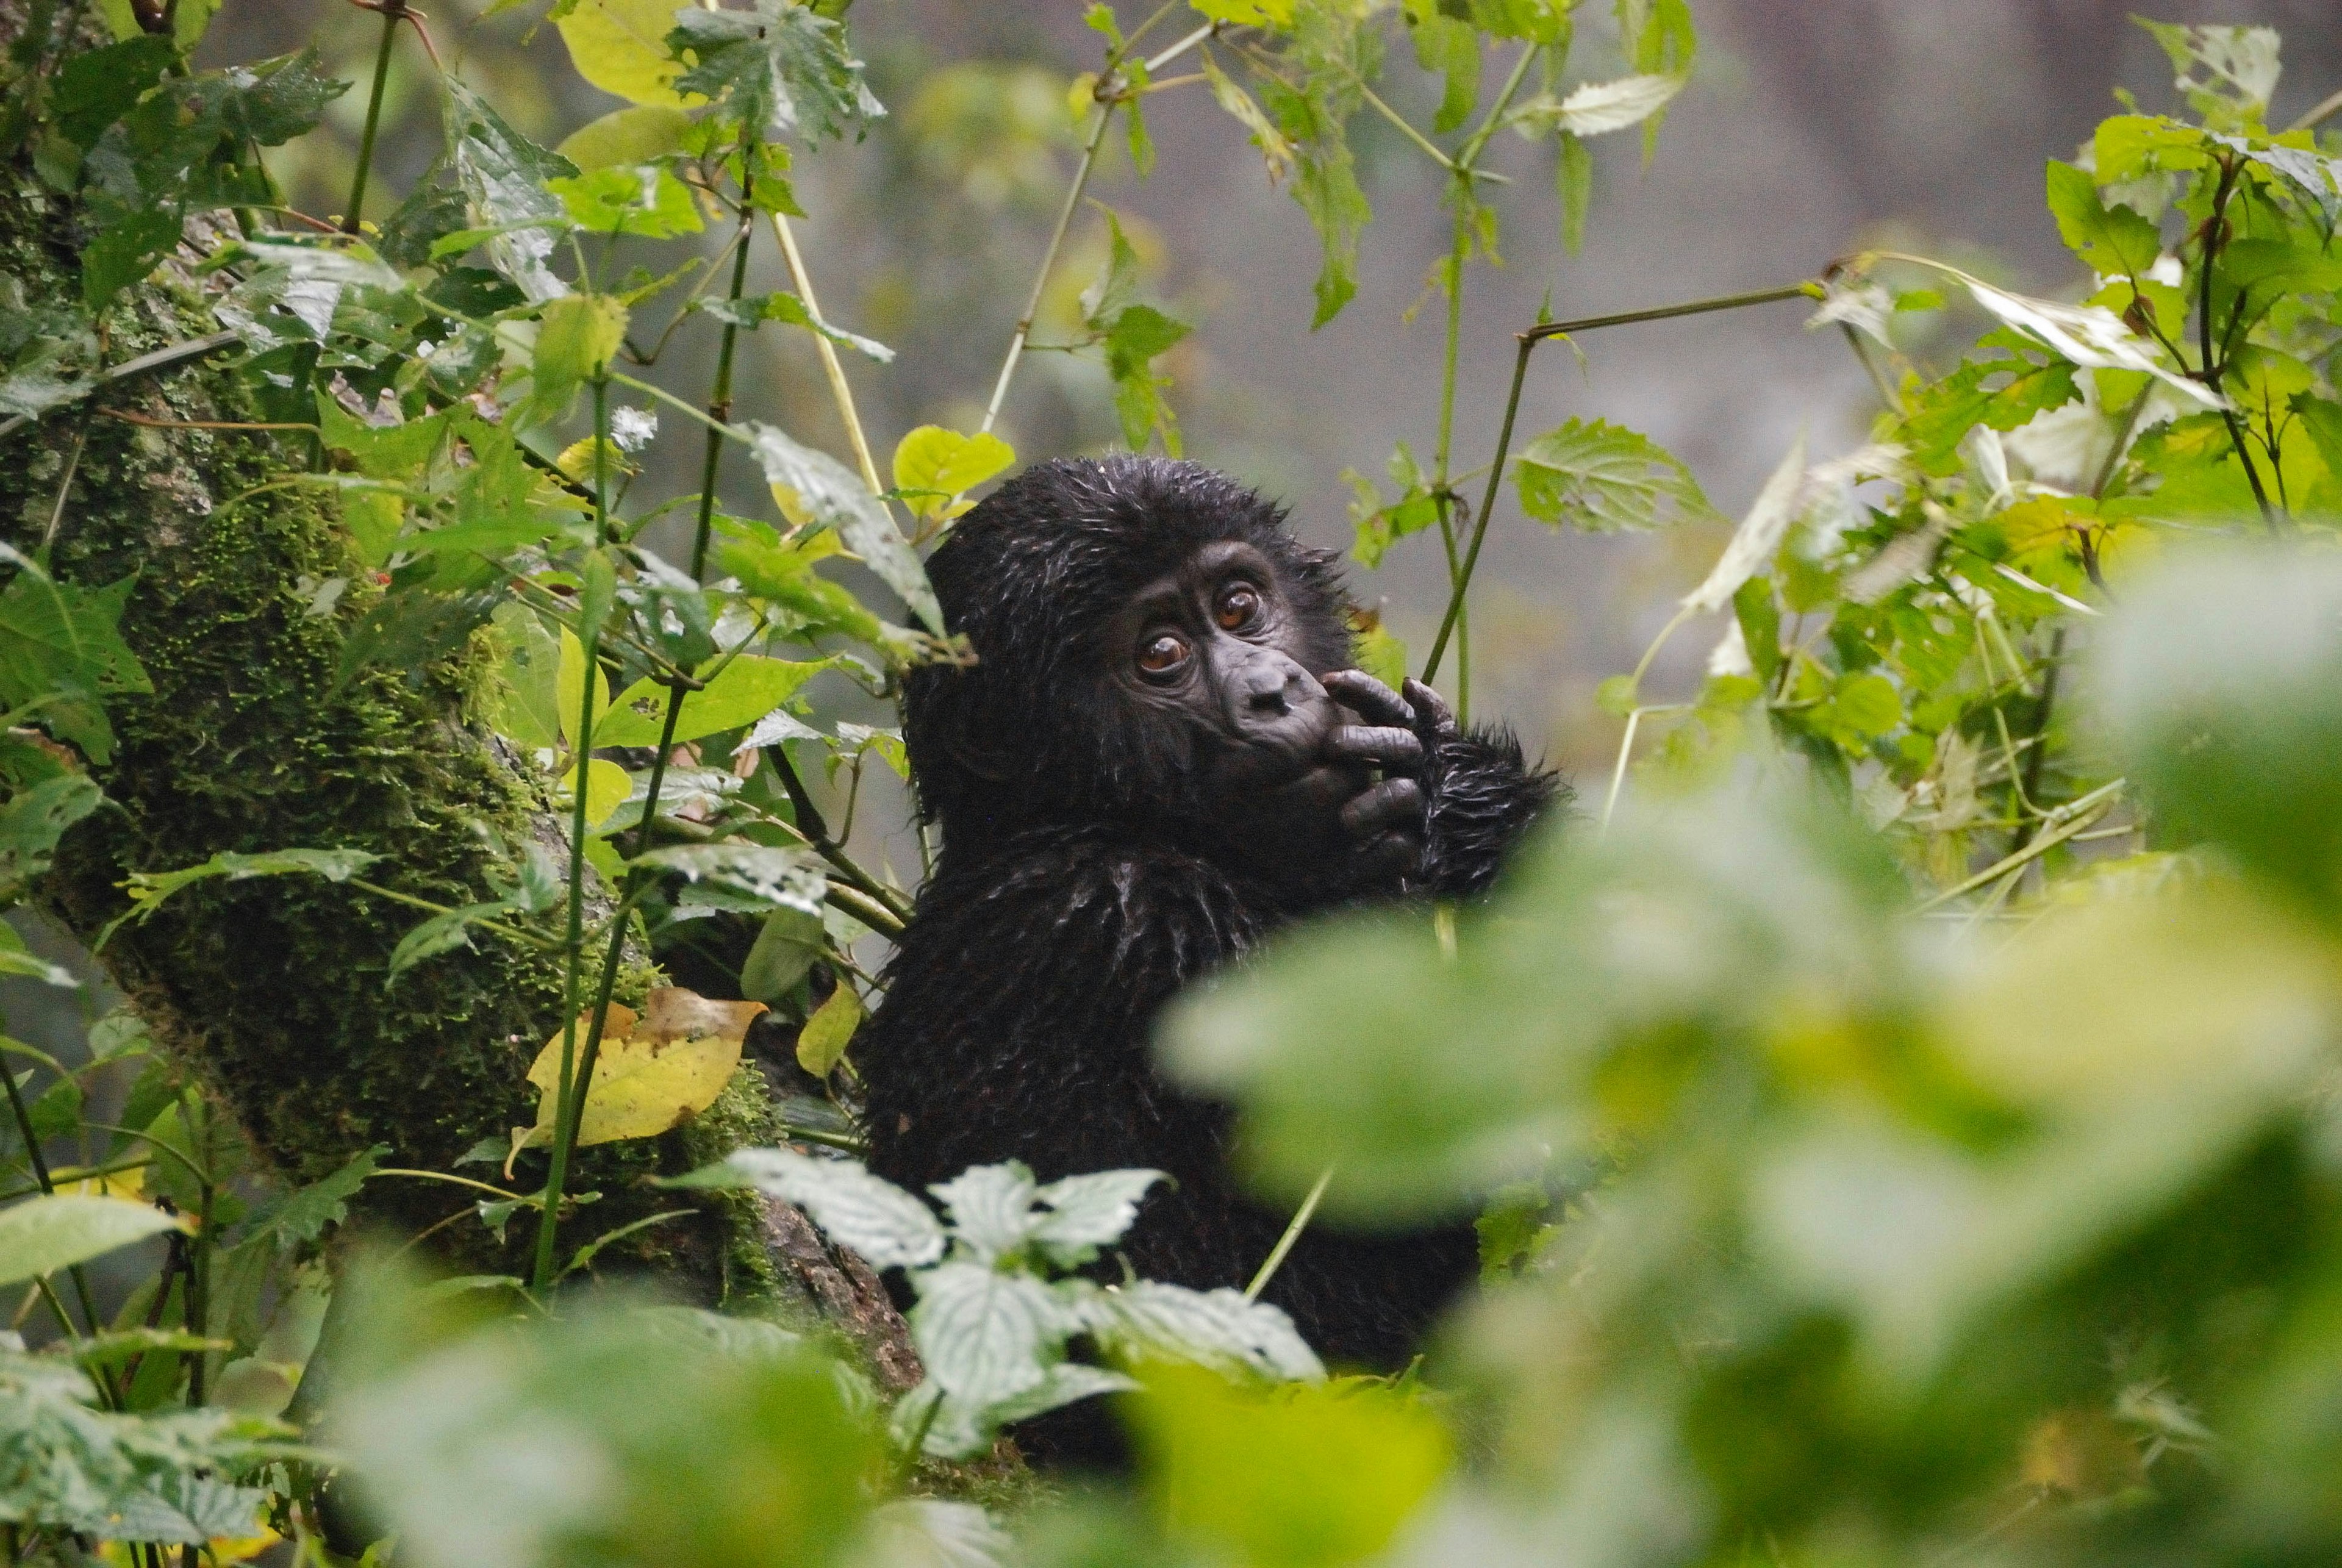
x,y
1528,340
2325,109
1049,262
64,488
392,10
831,368
2077,814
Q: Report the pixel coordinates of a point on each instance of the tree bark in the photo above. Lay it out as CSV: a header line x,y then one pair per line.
x,y
271,991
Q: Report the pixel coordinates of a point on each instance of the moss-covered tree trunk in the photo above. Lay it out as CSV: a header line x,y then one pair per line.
x,y
271,991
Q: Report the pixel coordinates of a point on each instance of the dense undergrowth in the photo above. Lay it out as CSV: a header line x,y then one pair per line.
x,y
1900,1112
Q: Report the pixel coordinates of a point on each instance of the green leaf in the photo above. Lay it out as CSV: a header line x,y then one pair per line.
x,y
641,199
782,69
505,176
1605,479
822,1042
2226,72
306,1213
1270,14
1301,1476
41,1235
2114,241
767,877
31,823
786,947
813,488
94,89
148,889
576,338
740,693
1867,705
641,134
1573,180
126,251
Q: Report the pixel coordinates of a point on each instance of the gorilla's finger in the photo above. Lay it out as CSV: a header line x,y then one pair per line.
x,y
1370,698
1392,858
1437,717
1391,804
1395,749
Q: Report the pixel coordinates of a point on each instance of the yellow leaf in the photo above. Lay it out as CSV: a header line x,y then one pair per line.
x,y
620,46
943,463
130,1183
652,1072
823,1040
569,688
607,789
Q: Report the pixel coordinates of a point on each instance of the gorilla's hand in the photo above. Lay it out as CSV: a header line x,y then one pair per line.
x,y
1382,819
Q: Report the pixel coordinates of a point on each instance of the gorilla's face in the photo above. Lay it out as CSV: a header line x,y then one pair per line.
x,y
1214,649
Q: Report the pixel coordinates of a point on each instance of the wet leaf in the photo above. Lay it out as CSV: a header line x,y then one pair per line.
x,y
652,1072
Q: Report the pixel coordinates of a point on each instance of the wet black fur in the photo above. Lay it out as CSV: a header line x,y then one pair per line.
x,y
1078,888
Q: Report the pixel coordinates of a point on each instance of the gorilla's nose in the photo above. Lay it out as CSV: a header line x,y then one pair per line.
x,y
1267,692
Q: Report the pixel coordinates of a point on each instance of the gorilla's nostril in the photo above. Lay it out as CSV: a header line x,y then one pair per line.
x,y
1269,699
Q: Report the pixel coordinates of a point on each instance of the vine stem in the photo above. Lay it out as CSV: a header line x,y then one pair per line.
x,y
2212,369
1528,341
1301,1216
393,11
570,1108
589,636
2076,814
40,1163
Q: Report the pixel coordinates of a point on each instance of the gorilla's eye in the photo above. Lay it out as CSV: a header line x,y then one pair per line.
x,y
1239,607
1162,654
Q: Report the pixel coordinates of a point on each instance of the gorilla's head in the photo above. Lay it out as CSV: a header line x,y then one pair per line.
x,y
1150,645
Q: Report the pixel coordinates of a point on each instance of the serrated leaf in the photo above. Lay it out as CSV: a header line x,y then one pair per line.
x,y
1147,1320
990,1208
782,68
814,488
1087,1213
2112,241
576,338
987,1336
752,310
148,889
42,1234
1605,479
887,1225
2089,336
780,878
504,176
1595,108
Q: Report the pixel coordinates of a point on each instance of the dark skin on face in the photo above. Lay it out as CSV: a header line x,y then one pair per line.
x,y
1303,765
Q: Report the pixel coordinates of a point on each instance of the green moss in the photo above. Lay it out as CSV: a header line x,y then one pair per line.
x,y
271,990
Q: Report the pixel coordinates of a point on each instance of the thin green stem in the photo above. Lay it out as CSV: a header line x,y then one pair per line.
x,y
1459,252
1528,341
1049,262
2211,369
393,11
1301,1216
557,1170
2073,817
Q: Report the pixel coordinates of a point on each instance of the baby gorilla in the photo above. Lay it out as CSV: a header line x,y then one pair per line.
x,y
1160,756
